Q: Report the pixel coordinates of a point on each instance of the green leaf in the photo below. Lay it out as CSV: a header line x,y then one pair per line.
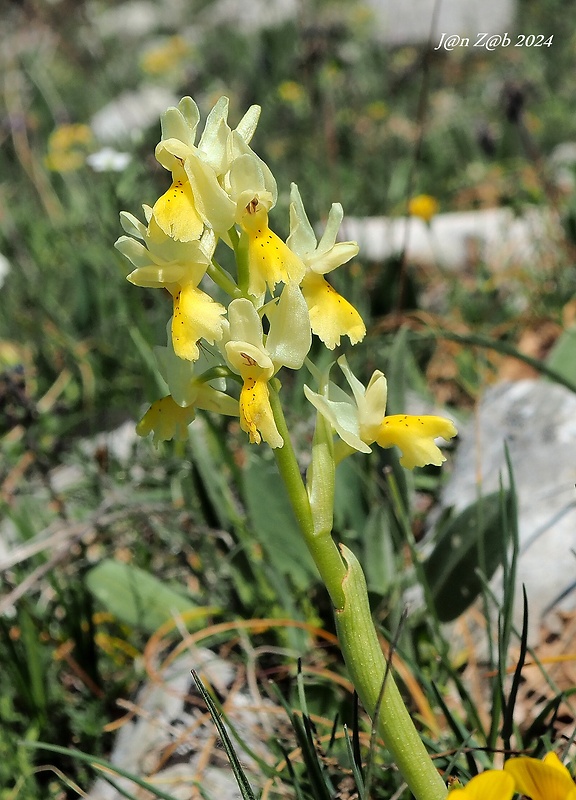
x,y
380,565
274,524
468,552
239,774
403,374
139,599
349,496
561,357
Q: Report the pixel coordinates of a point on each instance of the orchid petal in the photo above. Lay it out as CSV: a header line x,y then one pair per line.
x,y
290,337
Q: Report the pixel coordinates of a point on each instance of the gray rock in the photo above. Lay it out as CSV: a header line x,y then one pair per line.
x,y
537,421
413,22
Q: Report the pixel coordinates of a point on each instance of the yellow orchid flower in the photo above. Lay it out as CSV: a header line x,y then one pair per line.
x,y
167,420
270,260
247,356
175,211
169,417
256,357
196,196
331,315
213,181
490,785
541,780
178,266
361,421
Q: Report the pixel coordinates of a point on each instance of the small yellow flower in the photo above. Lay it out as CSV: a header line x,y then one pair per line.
x,y
256,418
541,780
490,785
196,316
424,206
291,92
165,56
68,146
415,436
256,357
165,263
331,315
248,357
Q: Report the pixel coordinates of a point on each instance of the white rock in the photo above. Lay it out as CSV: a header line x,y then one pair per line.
x,y
249,17
413,22
493,235
4,268
170,737
537,421
124,118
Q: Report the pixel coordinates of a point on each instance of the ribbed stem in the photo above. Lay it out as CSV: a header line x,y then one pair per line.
x,y
377,689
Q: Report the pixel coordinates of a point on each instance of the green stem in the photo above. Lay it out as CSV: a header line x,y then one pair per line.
x,y
222,279
377,688
321,545
241,254
365,661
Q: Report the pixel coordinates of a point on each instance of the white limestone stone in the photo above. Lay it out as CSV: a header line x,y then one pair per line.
x,y
537,421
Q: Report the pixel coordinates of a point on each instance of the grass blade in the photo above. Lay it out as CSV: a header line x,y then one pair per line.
x,y
239,773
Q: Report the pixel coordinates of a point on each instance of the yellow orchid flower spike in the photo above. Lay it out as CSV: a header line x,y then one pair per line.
x,y
541,780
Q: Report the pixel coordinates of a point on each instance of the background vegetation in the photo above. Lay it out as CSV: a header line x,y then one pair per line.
x,y
90,524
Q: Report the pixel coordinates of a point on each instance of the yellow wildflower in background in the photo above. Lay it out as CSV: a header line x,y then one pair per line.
x,y
377,110
165,56
424,206
68,147
291,92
